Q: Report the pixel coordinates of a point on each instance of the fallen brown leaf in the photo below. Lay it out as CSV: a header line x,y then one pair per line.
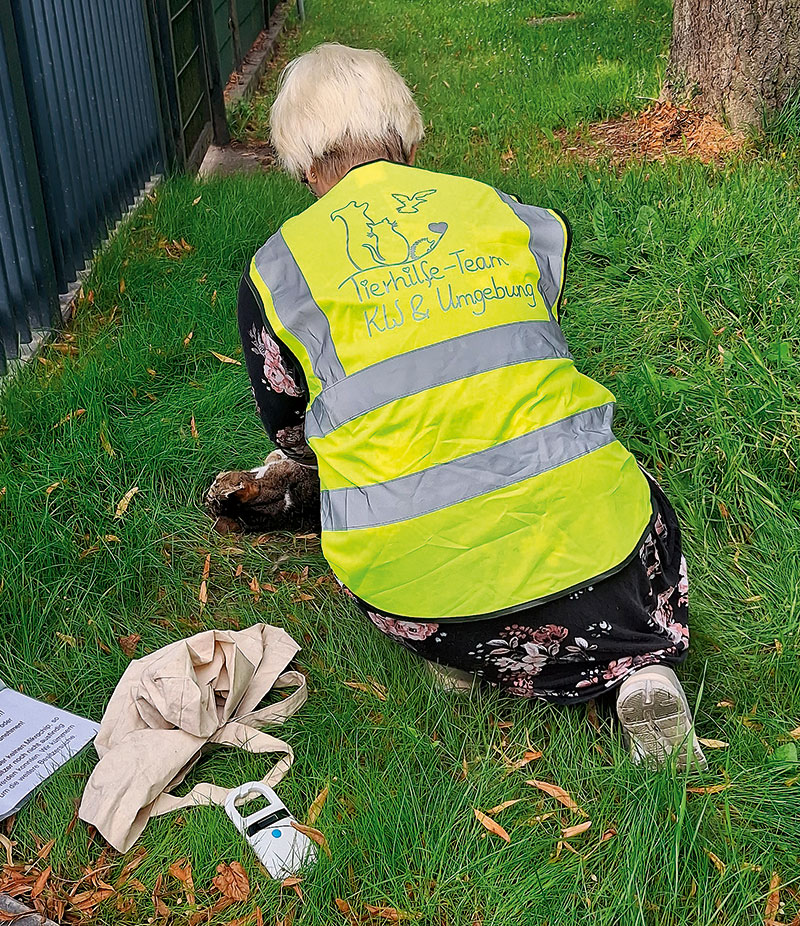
x,y
223,359
205,914
122,507
569,831
188,338
541,817
316,807
88,900
774,898
343,906
40,883
502,806
314,835
373,688
248,919
530,755
51,488
795,734
182,870
128,644
558,793
752,724
392,914
491,825
710,789
106,444
232,881
713,744
293,884
46,849
130,866
610,833
716,861
193,426
202,596
8,845
72,415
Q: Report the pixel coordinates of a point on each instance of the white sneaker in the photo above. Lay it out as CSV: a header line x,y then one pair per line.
x,y
656,718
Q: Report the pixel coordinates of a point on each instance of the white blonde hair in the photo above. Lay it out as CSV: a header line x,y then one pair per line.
x,y
339,106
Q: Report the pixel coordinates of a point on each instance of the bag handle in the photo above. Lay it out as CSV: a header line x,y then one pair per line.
x,y
242,732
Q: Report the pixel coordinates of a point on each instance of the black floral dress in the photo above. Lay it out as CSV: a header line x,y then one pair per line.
x,y
571,649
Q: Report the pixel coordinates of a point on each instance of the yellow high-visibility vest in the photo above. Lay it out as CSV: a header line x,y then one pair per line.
x,y
466,467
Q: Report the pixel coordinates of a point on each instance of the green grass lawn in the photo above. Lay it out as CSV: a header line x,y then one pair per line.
x,y
682,298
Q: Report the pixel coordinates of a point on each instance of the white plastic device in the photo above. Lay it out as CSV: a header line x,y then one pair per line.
x,y
281,848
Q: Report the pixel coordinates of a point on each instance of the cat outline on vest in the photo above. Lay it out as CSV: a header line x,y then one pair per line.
x,y
381,240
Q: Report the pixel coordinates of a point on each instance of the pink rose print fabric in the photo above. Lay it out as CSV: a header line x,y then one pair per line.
x,y
275,374
581,645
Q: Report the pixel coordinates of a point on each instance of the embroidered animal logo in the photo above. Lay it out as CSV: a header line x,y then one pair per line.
x,y
372,243
413,202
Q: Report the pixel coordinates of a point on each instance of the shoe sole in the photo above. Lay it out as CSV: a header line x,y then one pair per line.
x,y
656,719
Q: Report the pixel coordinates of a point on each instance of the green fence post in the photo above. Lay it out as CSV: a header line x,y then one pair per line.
x,y
216,87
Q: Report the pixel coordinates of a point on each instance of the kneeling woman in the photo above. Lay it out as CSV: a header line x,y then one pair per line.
x,y
402,335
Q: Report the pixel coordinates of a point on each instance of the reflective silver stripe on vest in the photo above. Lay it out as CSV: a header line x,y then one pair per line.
x,y
547,243
296,308
427,367
467,477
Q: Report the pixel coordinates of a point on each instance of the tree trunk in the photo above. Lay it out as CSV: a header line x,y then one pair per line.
x,y
735,58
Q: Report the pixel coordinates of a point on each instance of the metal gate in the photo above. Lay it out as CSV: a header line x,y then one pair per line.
x,y
189,76
237,24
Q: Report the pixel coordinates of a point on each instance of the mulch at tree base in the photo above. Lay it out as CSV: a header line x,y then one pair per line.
x,y
663,129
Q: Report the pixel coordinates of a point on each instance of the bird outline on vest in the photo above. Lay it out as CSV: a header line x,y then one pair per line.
x,y
372,243
411,203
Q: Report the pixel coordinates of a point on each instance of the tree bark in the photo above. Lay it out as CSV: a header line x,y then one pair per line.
x,y
736,58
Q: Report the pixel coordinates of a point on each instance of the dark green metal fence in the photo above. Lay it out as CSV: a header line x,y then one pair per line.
x,y
237,24
97,97
27,279
86,73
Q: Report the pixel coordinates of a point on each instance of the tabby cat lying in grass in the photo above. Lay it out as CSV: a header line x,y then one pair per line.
x,y
280,495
